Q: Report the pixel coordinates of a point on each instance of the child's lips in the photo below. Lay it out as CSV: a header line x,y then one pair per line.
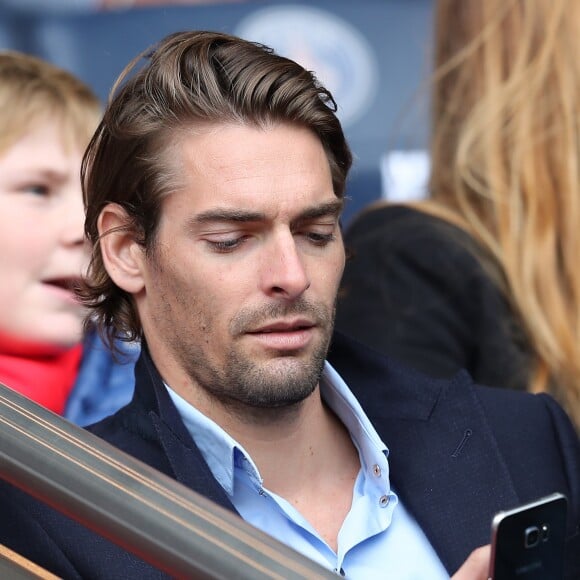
x,y
65,283
64,288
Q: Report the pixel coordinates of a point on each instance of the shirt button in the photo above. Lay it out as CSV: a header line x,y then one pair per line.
x,y
376,470
384,501
341,571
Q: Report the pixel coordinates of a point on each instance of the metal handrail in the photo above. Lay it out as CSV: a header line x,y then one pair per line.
x,y
135,506
15,567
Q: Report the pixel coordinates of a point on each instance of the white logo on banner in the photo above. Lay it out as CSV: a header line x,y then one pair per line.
x,y
324,43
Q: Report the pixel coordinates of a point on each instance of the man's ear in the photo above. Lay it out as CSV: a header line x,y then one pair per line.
x,y
123,256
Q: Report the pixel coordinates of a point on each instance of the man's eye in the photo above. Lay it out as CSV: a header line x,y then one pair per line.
x,y
320,239
225,246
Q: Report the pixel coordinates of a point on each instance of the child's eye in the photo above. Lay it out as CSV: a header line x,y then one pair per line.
x,y
37,189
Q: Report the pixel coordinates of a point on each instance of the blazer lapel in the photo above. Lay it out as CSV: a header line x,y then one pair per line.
x,y
186,461
443,459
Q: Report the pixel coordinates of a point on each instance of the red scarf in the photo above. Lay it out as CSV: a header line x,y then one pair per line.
x,y
43,373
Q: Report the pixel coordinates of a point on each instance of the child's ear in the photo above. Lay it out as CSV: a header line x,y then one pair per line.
x,y
123,255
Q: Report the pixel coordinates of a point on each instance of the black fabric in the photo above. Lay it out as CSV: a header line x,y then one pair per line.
x,y
520,447
415,289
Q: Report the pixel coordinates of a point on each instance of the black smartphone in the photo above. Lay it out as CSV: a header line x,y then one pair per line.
x,y
527,542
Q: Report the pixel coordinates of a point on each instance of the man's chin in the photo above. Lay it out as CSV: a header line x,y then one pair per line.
x,y
282,395
272,380
287,380
289,364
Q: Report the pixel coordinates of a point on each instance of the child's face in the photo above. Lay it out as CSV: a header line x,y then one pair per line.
x,y
42,251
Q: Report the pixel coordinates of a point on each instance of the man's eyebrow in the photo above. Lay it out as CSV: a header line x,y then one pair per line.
x,y
227,215
331,208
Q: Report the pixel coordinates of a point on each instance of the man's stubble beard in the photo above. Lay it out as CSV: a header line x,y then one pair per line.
x,y
264,390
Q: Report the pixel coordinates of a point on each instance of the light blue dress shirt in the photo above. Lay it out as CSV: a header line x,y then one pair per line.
x,y
378,538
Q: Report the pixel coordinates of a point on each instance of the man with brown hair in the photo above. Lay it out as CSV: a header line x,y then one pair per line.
x,y
214,187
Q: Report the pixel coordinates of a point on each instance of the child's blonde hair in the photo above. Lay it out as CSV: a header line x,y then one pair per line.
x,y
32,90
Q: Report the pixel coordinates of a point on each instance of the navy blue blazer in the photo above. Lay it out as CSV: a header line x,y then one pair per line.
x,y
458,454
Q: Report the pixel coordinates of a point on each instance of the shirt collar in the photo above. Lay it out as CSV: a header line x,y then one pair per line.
x,y
222,452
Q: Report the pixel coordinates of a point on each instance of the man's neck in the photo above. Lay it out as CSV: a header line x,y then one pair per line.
x,y
308,459
292,450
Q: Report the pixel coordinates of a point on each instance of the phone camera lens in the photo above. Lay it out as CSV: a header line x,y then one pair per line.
x,y
532,536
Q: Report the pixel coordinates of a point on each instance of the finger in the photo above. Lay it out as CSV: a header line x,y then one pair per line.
x,y
476,567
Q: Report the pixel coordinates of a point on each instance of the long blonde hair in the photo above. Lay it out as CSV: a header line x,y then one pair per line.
x,y
505,156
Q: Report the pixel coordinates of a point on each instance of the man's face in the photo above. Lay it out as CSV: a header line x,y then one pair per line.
x,y
239,290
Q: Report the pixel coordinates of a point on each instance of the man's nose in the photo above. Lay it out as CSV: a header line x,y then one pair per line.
x,y
284,272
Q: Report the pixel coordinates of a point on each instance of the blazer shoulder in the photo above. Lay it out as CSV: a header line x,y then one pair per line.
x,y
540,409
539,442
133,431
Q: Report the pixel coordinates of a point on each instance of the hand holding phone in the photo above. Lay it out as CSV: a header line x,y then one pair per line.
x,y
528,541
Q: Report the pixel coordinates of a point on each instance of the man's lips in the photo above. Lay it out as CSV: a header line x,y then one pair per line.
x,y
284,335
281,326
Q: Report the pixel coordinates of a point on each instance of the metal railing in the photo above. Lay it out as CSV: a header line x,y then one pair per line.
x,y
15,567
133,505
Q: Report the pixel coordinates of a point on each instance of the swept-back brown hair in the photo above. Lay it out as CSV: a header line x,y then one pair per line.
x,y
506,163
189,80
33,90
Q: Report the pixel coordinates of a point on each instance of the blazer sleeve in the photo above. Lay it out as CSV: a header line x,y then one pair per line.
x,y
23,533
569,446
542,451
